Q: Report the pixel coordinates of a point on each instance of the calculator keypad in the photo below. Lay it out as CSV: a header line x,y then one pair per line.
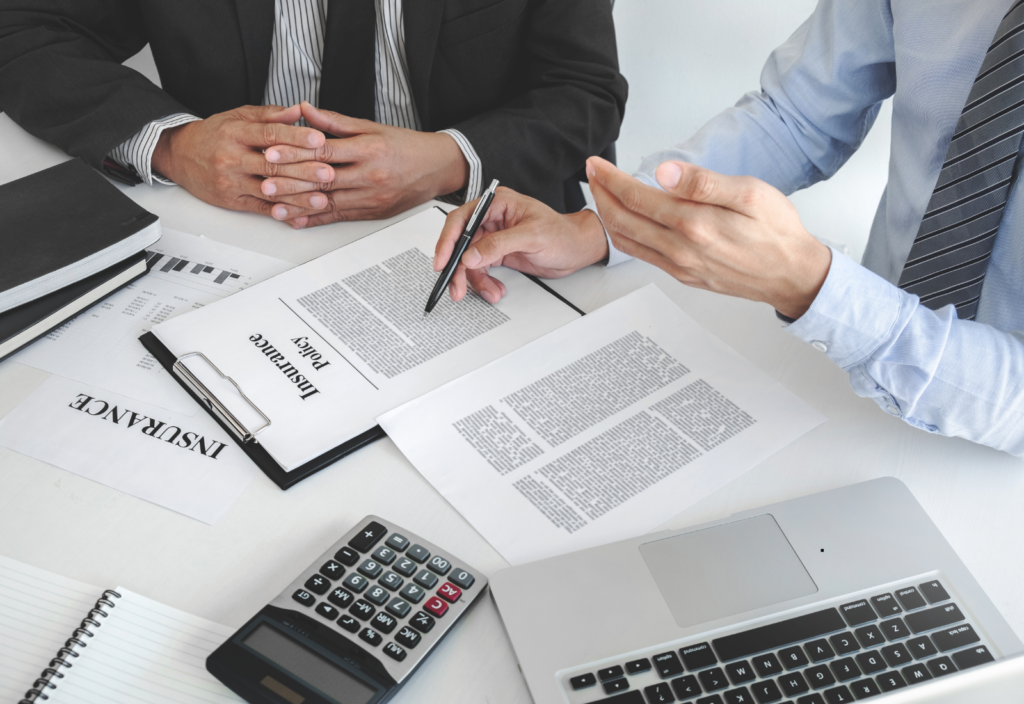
x,y
425,579
370,587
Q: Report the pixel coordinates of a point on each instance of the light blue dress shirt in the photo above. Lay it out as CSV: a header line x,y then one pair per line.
x,y
820,94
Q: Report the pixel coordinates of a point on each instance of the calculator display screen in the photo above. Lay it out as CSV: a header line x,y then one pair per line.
x,y
308,666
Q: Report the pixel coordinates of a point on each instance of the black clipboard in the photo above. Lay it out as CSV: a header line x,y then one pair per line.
x,y
255,451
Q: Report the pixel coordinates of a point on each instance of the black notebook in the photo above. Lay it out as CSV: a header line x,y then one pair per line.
x,y
63,225
25,324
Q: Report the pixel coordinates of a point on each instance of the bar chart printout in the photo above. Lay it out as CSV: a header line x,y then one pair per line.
x,y
101,346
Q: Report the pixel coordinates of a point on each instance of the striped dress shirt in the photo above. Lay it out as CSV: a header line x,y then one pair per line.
x,y
296,57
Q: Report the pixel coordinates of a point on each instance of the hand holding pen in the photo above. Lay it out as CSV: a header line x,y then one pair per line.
x,y
460,246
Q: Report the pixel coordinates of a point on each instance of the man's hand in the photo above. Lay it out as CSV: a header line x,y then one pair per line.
x,y
378,170
523,234
728,234
219,159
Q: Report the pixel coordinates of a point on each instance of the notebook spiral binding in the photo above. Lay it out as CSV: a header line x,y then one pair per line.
x,y
73,644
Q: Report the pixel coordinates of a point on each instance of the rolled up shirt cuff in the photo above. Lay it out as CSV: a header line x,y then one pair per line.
x,y
136,154
474,186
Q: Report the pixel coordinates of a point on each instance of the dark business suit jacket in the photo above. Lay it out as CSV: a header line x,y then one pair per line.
x,y
533,84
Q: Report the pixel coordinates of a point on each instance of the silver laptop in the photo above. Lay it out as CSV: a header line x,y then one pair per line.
x,y
827,599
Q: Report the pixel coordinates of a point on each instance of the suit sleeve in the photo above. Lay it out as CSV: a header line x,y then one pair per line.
x,y
61,77
571,105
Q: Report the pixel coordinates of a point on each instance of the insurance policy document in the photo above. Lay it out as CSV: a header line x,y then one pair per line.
x,y
599,431
325,348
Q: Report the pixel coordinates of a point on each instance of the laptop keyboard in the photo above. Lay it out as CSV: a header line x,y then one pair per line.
x,y
835,655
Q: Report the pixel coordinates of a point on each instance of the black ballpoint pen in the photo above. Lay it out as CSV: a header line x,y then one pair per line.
x,y
460,247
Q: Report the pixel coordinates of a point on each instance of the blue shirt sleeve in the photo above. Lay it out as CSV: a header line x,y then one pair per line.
x,y
938,373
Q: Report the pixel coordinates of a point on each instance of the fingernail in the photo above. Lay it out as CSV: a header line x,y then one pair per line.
x,y
272,155
269,188
313,139
324,174
451,289
471,258
280,213
299,223
590,170
490,297
669,174
318,201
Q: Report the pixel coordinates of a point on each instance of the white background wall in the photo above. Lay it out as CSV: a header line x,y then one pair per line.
x,y
686,60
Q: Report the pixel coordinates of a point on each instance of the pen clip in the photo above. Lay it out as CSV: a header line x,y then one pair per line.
x,y
216,407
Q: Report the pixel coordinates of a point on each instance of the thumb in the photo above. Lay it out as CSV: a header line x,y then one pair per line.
x,y
273,113
701,185
335,123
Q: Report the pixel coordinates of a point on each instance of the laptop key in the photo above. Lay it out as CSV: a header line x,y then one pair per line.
x,y
668,665
845,669
838,695
819,676
610,673
580,681
615,686
685,687
819,650
894,629
886,605
933,592
954,638
814,698
858,612
740,672
713,679
844,643
632,697
738,696
921,647
778,635
766,691
792,658
659,693
870,662
941,666
890,681
767,665
635,666
793,684
916,673
697,656
896,655
869,636
972,656
910,598
863,689
713,699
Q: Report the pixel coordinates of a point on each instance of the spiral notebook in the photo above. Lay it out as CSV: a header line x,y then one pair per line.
x,y
65,641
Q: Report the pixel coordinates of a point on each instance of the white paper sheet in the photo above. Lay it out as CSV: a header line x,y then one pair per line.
x,y
144,651
325,348
599,431
101,346
185,463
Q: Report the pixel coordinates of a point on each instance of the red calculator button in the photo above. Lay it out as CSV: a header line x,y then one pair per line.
x,y
449,592
436,606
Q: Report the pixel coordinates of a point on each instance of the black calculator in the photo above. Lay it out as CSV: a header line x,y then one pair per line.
x,y
353,627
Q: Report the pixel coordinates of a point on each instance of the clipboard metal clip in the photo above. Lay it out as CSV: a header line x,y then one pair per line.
x,y
215,405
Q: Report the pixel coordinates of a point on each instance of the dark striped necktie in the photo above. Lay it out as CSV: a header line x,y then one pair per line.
x,y
950,254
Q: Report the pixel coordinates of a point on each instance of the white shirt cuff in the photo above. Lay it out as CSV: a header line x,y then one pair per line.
x,y
474,186
136,154
614,255
854,313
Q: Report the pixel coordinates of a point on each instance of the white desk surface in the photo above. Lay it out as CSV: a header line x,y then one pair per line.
x,y
64,523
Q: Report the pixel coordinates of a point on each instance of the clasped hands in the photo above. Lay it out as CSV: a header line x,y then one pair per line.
x,y
337,169
733,235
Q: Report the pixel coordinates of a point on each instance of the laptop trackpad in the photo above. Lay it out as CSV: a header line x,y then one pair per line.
x,y
728,569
